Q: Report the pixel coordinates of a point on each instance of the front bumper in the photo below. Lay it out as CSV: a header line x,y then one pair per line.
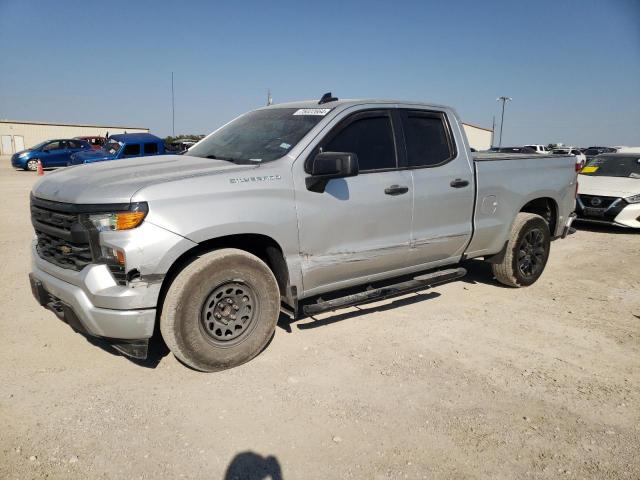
x,y
18,162
95,321
136,348
92,303
620,213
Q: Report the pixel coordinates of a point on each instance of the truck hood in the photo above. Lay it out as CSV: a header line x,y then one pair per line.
x,y
608,186
116,182
92,155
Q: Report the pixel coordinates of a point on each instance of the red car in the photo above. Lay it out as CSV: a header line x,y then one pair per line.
x,y
96,142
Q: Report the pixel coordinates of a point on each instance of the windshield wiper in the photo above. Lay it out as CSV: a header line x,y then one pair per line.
x,y
237,161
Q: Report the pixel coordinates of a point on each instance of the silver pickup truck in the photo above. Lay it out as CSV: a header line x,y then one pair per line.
x,y
296,208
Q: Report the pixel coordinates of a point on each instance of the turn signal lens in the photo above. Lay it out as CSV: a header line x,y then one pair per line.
x,y
128,220
105,222
114,256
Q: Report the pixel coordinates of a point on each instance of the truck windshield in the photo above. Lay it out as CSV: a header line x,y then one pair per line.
x,y
602,166
112,146
259,136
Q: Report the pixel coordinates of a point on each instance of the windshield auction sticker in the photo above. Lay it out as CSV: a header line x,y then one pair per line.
x,y
312,111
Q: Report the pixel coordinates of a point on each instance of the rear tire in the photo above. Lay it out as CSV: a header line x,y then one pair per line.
x,y
221,310
527,252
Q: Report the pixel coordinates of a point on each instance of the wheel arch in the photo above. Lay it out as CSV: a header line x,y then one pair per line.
x,y
547,208
262,246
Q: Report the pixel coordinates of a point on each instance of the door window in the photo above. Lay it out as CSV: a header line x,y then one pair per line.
x,y
370,138
131,150
427,138
150,148
53,146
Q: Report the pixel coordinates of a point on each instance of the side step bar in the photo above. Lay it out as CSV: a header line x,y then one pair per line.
x,y
418,283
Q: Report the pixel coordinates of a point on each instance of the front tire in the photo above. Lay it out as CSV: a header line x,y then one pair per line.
x,y
527,252
221,310
32,165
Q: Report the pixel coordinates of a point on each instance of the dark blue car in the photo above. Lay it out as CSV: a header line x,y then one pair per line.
x,y
52,153
125,145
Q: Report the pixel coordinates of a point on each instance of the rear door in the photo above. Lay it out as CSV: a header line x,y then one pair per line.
x,y
150,149
359,226
443,188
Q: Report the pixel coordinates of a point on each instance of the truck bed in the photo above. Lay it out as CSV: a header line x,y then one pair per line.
x,y
494,156
506,182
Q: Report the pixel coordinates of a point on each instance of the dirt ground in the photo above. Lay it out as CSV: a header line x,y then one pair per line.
x,y
467,380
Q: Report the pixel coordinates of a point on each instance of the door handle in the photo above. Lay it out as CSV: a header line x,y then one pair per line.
x,y
459,183
396,190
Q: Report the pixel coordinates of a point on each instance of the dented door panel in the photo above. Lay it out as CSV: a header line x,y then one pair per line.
x,y
353,229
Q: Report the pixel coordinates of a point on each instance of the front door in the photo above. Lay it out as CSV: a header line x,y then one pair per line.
x,y
359,226
54,154
443,187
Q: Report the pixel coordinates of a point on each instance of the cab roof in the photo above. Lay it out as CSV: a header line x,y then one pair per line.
x,y
350,102
135,137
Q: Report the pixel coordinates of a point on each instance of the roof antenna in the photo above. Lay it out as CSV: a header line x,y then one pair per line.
x,y
269,98
326,98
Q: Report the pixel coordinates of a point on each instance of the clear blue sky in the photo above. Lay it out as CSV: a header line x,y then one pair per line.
x,y
572,67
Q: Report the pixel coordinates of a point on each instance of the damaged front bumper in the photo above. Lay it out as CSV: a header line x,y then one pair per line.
x,y
126,330
93,302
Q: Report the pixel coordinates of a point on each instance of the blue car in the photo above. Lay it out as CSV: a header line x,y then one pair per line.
x,y
52,153
125,145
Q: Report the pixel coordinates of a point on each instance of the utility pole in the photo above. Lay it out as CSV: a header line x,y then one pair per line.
x,y
504,100
173,110
269,99
493,131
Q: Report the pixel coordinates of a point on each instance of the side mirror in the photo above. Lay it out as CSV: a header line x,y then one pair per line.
x,y
328,165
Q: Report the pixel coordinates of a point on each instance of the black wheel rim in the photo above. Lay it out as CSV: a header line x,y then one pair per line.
x,y
228,313
531,253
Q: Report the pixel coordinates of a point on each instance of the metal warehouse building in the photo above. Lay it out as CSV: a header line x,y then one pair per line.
x,y
479,138
16,135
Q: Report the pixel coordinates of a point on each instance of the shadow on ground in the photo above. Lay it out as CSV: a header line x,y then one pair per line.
x,y
157,350
479,271
252,466
285,322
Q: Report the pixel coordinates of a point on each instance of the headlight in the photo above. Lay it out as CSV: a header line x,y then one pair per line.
x,y
633,198
125,220
24,154
117,221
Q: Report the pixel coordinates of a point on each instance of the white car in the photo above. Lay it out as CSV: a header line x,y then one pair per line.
x,y
609,190
581,159
540,149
